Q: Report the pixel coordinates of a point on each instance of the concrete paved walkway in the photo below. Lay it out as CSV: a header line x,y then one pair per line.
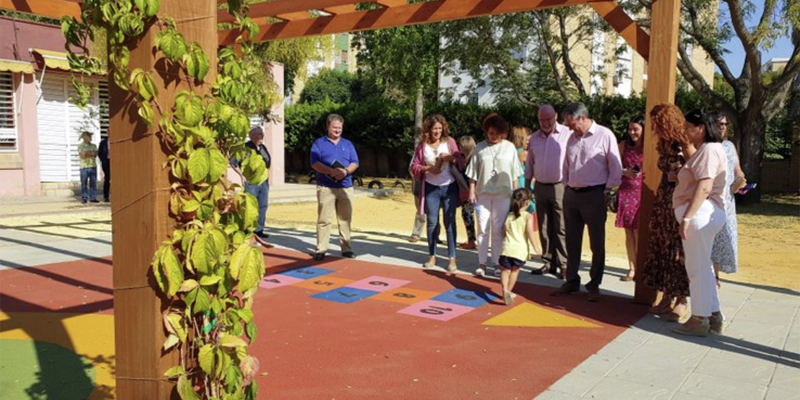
x,y
757,358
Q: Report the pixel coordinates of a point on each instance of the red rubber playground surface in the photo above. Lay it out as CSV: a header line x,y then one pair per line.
x,y
337,329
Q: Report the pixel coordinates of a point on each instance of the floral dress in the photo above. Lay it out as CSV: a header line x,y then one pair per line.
x,y
630,191
665,269
725,250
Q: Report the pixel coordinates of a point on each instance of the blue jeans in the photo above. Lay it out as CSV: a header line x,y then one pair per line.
x,y
445,197
261,193
89,183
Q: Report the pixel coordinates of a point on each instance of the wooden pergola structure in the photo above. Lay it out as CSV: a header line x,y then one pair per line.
x,y
141,187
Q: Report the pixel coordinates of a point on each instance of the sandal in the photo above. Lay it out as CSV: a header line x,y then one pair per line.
x,y
413,239
626,278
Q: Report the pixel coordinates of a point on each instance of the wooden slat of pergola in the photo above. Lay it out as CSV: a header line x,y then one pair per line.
x,y
140,203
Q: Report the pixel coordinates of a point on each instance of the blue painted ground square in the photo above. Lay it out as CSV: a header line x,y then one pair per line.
x,y
469,298
306,272
345,295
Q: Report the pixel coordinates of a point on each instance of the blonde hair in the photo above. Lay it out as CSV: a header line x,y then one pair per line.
x,y
519,134
466,144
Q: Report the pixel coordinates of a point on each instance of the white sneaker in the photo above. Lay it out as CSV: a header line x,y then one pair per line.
x,y
480,272
496,272
509,297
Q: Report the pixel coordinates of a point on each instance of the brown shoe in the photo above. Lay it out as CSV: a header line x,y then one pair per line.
x,y
716,323
694,326
565,289
594,295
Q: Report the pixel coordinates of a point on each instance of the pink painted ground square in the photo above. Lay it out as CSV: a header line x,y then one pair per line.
x,y
437,310
278,280
378,284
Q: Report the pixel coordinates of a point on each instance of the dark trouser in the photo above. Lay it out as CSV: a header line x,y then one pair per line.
x,y
446,198
261,193
585,207
106,178
550,212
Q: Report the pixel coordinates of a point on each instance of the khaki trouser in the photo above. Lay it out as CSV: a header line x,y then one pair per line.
x,y
340,202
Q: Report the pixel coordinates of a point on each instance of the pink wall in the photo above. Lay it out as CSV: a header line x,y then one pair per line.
x,y
23,181
19,36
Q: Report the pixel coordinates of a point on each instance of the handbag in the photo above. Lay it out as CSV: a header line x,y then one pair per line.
x,y
459,177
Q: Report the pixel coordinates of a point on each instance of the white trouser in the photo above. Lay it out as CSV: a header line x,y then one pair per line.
x,y
491,209
702,229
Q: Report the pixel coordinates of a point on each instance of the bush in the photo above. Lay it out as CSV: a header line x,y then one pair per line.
x,y
328,84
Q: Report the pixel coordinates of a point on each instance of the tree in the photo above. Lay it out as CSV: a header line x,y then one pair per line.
x,y
527,55
406,59
295,55
332,84
755,100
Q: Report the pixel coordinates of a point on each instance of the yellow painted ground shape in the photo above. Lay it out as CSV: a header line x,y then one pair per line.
x,y
530,315
88,335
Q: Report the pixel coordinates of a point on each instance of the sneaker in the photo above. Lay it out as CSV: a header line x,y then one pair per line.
x,y
319,256
349,254
83,201
262,234
480,271
496,272
94,201
413,239
694,326
509,297
594,295
452,268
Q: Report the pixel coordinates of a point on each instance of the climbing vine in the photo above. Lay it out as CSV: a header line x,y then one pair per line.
x,y
207,269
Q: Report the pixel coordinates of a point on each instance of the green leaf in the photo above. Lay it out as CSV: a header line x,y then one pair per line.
x,y
170,342
204,253
146,113
254,169
188,285
251,330
202,302
171,43
237,259
158,272
185,389
175,372
252,270
199,164
191,296
246,314
150,8
248,209
191,205
176,325
219,165
173,271
220,241
202,63
206,358
231,341
209,280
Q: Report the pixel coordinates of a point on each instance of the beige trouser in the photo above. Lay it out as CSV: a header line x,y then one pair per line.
x,y
329,202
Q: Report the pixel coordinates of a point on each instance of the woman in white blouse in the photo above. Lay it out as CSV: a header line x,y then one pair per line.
x,y
493,174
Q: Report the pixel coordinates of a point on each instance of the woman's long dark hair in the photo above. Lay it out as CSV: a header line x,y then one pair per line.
x,y
519,201
638,121
709,120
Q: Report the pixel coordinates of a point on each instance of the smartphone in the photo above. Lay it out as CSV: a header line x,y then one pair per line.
x,y
747,188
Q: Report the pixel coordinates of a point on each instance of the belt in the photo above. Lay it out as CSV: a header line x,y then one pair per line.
x,y
547,184
586,188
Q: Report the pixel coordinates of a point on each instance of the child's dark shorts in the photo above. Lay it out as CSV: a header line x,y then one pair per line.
x,y
510,262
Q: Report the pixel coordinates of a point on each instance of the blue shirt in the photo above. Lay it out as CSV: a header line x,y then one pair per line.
x,y
326,152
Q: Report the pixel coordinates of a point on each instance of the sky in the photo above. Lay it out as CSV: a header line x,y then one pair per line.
x,y
735,59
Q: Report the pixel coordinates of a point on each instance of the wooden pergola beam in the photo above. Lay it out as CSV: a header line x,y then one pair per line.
x,y
636,37
44,8
408,14
277,7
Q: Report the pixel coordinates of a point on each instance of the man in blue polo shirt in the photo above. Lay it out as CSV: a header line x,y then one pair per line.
x,y
334,159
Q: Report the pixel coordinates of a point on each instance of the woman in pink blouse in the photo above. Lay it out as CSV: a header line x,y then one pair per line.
x,y
699,206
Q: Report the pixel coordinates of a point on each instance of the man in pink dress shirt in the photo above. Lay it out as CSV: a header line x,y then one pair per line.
x,y
592,167
544,165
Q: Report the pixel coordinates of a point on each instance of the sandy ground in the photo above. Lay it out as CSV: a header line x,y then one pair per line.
x,y
769,234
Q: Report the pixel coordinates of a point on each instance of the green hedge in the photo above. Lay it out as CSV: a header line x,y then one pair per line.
x,y
381,123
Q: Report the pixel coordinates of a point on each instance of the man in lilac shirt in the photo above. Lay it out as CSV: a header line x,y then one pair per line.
x,y
544,165
592,167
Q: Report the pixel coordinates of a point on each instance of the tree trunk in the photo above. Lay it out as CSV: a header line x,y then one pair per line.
x,y
418,110
573,76
751,151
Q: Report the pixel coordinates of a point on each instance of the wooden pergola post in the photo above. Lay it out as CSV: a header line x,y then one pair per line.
x,y
141,190
661,71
